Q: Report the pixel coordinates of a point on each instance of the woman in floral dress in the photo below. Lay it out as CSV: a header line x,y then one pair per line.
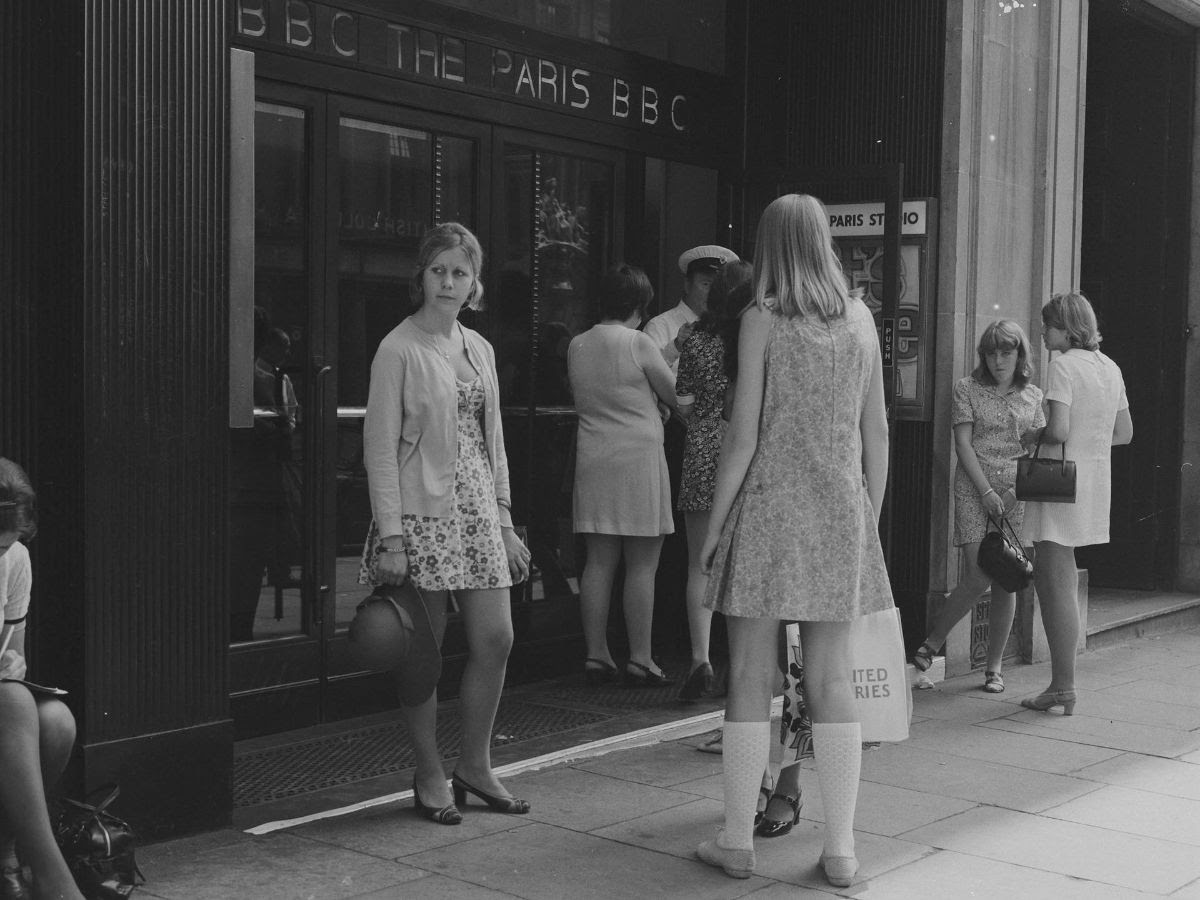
x,y
707,369
996,413
438,479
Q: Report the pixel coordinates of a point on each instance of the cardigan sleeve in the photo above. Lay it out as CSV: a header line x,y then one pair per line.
x,y
381,438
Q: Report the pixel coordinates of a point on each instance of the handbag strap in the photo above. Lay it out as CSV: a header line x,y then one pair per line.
x,y
114,791
1062,449
1010,535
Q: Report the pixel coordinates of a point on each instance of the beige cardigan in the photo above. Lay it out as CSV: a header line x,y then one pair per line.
x,y
410,435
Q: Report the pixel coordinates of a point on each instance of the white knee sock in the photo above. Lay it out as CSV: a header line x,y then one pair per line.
x,y
745,754
837,747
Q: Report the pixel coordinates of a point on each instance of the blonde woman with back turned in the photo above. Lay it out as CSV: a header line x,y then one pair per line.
x,y
793,533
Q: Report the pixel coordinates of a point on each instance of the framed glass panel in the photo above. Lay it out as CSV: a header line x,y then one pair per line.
x,y
266,509
556,239
395,182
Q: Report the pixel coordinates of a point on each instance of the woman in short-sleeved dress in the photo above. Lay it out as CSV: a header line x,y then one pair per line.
x,y
702,388
794,527
996,414
1088,415
622,497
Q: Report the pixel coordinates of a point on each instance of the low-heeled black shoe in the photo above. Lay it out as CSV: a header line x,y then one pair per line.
x,y
643,677
499,804
597,672
447,815
699,683
770,828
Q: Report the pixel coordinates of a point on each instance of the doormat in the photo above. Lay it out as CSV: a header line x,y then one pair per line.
x,y
530,712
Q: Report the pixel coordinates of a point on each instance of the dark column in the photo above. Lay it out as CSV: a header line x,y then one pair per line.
x,y
121,296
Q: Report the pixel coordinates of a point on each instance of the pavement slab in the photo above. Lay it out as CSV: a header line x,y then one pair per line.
x,y
275,867
584,801
1136,812
1026,751
1109,733
435,887
1079,851
1161,691
395,830
548,863
1170,777
657,765
945,874
1011,787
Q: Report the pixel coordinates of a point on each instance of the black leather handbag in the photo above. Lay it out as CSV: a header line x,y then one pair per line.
x,y
1045,480
98,847
1002,557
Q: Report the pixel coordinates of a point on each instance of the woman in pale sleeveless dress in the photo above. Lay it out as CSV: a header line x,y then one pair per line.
x,y
794,525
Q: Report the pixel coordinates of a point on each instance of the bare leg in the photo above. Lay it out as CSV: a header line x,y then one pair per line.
x,y
972,583
429,777
1057,580
1002,611
23,797
488,621
786,785
595,592
699,618
641,562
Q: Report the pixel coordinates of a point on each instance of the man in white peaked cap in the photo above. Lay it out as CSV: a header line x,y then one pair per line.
x,y
670,329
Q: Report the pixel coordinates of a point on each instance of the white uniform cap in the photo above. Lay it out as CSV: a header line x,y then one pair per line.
x,y
708,258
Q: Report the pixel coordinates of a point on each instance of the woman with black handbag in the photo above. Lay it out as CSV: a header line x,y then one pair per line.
x,y
1088,415
37,731
437,472
996,412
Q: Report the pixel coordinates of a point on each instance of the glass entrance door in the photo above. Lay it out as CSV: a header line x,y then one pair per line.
x,y
343,193
344,190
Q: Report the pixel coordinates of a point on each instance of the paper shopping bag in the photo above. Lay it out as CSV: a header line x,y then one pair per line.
x,y
880,676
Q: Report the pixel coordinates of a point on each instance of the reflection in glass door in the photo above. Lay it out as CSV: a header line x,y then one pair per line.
x,y
556,235
266,504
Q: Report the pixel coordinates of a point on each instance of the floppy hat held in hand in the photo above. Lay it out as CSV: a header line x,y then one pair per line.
x,y
391,632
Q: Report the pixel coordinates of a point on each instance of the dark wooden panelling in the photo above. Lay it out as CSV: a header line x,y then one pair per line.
x,y
154,364
113,167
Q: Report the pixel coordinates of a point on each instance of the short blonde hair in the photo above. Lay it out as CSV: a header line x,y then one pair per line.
x,y
794,259
439,238
1074,315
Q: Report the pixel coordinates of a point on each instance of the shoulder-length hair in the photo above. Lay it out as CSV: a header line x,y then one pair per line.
x,y
1073,314
719,309
1004,334
624,290
794,259
437,239
18,502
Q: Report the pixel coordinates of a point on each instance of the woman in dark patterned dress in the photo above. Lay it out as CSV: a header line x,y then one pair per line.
x,y
996,412
707,369
438,479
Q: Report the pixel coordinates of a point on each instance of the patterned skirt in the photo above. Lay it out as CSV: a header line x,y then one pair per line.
x,y
465,551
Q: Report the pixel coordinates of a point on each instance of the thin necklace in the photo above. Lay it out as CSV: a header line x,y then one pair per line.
x,y
437,343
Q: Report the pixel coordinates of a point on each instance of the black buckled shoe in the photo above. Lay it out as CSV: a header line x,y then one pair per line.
x,y
699,683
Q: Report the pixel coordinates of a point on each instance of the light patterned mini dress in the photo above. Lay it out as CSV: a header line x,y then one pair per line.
x,y
999,424
800,542
465,551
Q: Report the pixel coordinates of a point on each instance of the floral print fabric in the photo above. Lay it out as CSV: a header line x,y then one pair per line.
x,y
702,375
999,423
464,552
